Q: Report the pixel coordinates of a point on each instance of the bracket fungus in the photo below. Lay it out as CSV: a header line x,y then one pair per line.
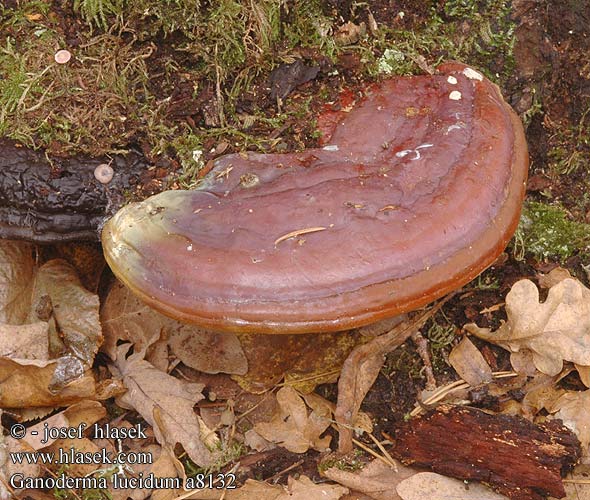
x,y
417,189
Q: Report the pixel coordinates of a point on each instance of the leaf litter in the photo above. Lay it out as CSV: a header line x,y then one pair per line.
x,y
146,349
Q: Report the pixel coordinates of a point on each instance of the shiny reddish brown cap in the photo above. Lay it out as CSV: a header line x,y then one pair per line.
x,y
417,189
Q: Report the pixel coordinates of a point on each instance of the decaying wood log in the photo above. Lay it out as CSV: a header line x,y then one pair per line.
x,y
49,200
517,458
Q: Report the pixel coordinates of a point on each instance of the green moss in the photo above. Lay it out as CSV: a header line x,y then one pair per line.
x,y
352,462
546,231
569,147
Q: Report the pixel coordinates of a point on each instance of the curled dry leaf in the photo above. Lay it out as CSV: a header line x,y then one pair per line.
x,y
293,427
25,383
470,364
377,479
573,408
165,402
74,308
125,317
554,331
50,314
432,485
359,373
584,373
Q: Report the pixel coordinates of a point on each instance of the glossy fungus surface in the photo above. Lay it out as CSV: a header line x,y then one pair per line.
x,y
416,190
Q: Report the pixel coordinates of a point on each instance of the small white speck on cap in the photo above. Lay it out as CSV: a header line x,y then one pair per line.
x,y
472,74
455,95
452,80
331,147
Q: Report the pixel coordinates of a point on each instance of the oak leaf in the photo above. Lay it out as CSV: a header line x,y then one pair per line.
x,y
554,331
293,427
165,402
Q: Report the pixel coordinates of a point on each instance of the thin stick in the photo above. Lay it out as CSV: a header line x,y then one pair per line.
x,y
384,451
299,232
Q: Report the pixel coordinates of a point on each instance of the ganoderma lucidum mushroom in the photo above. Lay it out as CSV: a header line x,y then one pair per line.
x,y
416,190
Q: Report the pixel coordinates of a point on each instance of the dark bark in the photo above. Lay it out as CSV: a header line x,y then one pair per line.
x,y
517,458
50,200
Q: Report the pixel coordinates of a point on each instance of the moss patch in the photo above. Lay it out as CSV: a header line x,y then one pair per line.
x,y
547,231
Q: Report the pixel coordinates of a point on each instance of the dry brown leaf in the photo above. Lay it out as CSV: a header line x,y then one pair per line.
x,y
166,465
74,308
16,281
304,489
431,485
359,373
25,383
293,427
165,402
85,412
251,489
523,363
8,468
125,317
296,489
577,486
573,408
584,373
470,364
25,341
554,331
376,479
208,351
553,277
69,328
540,393
302,361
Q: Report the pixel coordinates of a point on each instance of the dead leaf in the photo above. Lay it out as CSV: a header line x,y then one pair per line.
x,y
125,317
431,485
350,33
377,479
360,371
553,277
577,486
541,393
303,361
8,468
293,427
573,408
304,489
208,351
74,308
85,412
62,344
554,331
25,383
165,402
296,489
16,281
251,489
584,373
25,341
470,364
